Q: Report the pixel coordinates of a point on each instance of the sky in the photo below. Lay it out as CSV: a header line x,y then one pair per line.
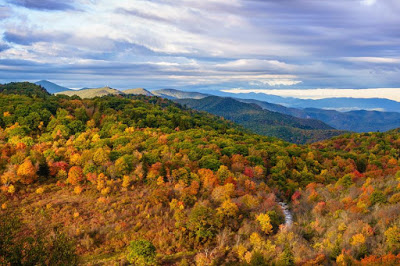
x,y
210,44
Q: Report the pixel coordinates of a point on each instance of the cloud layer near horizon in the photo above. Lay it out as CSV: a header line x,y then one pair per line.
x,y
388,93
213,44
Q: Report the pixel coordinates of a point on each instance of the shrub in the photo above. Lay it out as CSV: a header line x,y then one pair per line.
x,y
141,252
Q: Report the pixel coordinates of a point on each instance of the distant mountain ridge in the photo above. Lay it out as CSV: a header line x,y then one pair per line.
x,y
340,104
177,94
164,93
357,121
138,91
51,87
99,92
263,122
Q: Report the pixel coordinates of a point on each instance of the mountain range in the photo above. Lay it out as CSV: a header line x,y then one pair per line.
x,y
365,117
357,120
264,122
177,94
103,91
339,104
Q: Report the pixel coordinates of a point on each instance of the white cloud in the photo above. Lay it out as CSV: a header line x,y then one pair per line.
x,y
277,82
256,64
377,60
368,2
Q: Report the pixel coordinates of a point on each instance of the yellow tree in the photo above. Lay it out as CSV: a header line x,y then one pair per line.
x,y
393,237
357,239
101,156
265,222
228,209
27,172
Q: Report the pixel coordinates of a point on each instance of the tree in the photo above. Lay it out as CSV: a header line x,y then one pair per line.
x,y
27,172
287,256
393,238
209,162
228,209
141,253
223,173
377,197
257,259
75,175
203,222
265,223
101,156
357,240
222,193
123,165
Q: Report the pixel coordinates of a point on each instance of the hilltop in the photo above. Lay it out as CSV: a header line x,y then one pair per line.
x,y
138,91
91,93
24,88
165,93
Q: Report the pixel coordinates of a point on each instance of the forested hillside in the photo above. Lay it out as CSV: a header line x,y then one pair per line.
x,y
144,181
356,121
264,122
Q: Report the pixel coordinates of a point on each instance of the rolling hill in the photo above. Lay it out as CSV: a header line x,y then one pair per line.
x,y
138,91
91,93
24,88
99,92
264,122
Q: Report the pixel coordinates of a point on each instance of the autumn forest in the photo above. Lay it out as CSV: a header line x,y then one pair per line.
x,y
141,180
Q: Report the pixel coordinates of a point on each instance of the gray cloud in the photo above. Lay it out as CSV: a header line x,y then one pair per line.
x,y
43,4
3,47
28,37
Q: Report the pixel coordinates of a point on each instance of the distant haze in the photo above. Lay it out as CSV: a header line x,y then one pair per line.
x,y
388,93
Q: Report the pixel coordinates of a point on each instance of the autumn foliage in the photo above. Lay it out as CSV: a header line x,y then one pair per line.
x,y
117,177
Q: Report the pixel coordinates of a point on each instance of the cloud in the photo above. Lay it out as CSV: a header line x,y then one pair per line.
x,y
368,2
5,12
43,4
20,38
377,60
222,43
3,47
256,65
